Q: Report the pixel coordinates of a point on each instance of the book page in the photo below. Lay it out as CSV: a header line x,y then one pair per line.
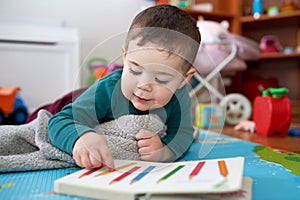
x,y
138,177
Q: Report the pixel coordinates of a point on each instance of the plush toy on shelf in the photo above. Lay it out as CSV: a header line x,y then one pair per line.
x,y
270,44
288,6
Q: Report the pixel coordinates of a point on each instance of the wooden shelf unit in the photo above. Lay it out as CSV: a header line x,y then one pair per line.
x,y
229,11
279,55
284,67
265,18
218,15
286,26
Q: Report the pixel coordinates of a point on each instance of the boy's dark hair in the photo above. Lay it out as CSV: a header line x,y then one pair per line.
x,y
168,27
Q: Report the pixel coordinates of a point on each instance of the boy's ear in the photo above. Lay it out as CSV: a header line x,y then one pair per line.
x,y
123,53
189,74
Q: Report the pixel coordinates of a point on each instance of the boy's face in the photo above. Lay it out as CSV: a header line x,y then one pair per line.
x,y
151,76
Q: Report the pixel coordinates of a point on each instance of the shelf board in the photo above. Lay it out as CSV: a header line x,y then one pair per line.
x,y
279,55
212,14
249,19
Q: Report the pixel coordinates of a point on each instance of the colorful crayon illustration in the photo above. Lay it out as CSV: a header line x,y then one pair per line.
x,y
170,173
116,169
223,168
196,170
90,172
125,174
142,174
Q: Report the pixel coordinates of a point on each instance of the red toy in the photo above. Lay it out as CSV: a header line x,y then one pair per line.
x,y
272,114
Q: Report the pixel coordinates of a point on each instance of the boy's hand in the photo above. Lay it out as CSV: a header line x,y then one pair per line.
x,y
151,148
91,150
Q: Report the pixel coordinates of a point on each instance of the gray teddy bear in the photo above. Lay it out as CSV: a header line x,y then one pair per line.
x,y
28,147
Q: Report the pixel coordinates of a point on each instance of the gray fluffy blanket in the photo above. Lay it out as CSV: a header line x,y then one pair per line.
x,y
27,147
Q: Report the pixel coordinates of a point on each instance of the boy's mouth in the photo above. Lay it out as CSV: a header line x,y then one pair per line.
x,y
140,98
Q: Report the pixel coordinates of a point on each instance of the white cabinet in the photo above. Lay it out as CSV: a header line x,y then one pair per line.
x,y
43,61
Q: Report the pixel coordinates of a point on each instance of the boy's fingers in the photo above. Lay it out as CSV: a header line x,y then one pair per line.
x,y
78,161
144,134
142,143
86,162
96,159
144,151
107,158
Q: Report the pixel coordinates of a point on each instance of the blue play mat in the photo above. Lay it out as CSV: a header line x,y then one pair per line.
x,y
275,173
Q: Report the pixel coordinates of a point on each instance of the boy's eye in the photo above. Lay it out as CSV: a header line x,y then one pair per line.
x,y
135,72
160,81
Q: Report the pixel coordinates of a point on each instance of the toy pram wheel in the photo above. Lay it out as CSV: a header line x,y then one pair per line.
x,y
237,108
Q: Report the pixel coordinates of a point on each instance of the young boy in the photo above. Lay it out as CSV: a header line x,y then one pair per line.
x,y
160,48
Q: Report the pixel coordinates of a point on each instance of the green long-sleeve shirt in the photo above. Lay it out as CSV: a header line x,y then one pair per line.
x,y
104,101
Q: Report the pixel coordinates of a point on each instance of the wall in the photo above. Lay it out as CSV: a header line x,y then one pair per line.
x,y
101,24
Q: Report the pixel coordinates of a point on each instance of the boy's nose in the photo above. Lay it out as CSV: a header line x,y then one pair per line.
x,y
145,86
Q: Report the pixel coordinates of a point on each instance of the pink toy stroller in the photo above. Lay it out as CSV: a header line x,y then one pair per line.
x,y
221,50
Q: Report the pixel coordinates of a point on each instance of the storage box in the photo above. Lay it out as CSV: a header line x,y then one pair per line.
x,y
209,115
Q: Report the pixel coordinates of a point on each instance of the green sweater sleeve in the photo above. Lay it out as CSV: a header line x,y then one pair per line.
x,y
81,116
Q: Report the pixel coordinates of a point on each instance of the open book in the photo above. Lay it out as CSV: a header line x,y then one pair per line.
x,y
133,179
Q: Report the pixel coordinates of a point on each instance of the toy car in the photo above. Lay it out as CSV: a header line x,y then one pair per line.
x,y
12,108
